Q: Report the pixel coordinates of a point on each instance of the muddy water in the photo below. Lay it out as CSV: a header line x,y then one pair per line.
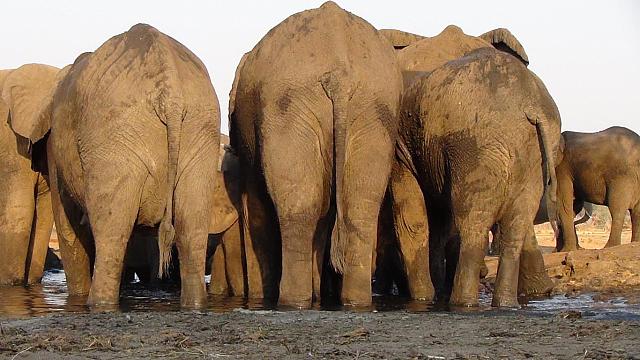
x,y
51,297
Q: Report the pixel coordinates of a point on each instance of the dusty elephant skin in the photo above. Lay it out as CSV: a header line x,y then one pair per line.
x,y
477,130
407,230
313,118
134,136
602,168
325,335
26,219
225,252
226,255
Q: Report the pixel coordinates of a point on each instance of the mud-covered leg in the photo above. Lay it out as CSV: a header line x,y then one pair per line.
x,y
360,199
618,213
567,239
218,285
517,225
473,210
76,242
533,279
41,233
233,260
112,210
298,205
16,218
412,230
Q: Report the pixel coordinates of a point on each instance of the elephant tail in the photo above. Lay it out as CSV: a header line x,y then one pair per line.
x,y
166,231
551,182
339,98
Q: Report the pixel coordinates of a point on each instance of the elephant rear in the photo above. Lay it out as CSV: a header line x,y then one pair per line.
x,y
311,99
147,122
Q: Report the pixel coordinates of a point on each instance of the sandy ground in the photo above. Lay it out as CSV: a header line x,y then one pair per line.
x,y
316,334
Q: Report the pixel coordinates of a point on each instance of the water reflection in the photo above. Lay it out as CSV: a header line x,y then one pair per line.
x,y
51,297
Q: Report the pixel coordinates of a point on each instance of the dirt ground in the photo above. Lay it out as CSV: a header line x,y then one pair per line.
x,y
400,334
319,334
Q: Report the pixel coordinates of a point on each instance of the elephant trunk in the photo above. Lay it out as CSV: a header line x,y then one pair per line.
x,y
339,240
550,167
166,231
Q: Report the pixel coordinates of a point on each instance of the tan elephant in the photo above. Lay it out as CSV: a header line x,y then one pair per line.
x,y
227,262
26,219
134,136
419,56
314,119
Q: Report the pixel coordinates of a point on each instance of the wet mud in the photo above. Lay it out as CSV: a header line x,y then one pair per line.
x,y
593,314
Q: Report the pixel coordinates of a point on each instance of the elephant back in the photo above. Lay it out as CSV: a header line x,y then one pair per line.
x,y
426,55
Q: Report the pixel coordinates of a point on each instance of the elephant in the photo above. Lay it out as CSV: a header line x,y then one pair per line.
x,y
482,136
307,103
418,56
26,219
602,168
131,133
226,255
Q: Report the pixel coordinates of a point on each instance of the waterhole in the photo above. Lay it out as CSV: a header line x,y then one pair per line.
x,y
51,297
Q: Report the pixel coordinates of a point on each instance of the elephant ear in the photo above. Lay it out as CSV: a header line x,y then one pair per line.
x,y
28,91
503,40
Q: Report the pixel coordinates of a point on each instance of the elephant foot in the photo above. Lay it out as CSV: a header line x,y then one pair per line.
x,y
537,286
193,304
463,301
533,280
193,295
102,304
505,301
292,303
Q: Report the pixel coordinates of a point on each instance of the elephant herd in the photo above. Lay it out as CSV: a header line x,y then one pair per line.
x,y
348,146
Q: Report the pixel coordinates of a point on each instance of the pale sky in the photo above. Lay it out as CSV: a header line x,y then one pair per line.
x,y
586,52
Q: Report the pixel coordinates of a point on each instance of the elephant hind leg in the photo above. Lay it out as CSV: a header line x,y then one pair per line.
x,y
567,238
518,242
474,214
298,215
16,218
618,209
76,243
533,279
233,260
112,210
218,285
41,232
